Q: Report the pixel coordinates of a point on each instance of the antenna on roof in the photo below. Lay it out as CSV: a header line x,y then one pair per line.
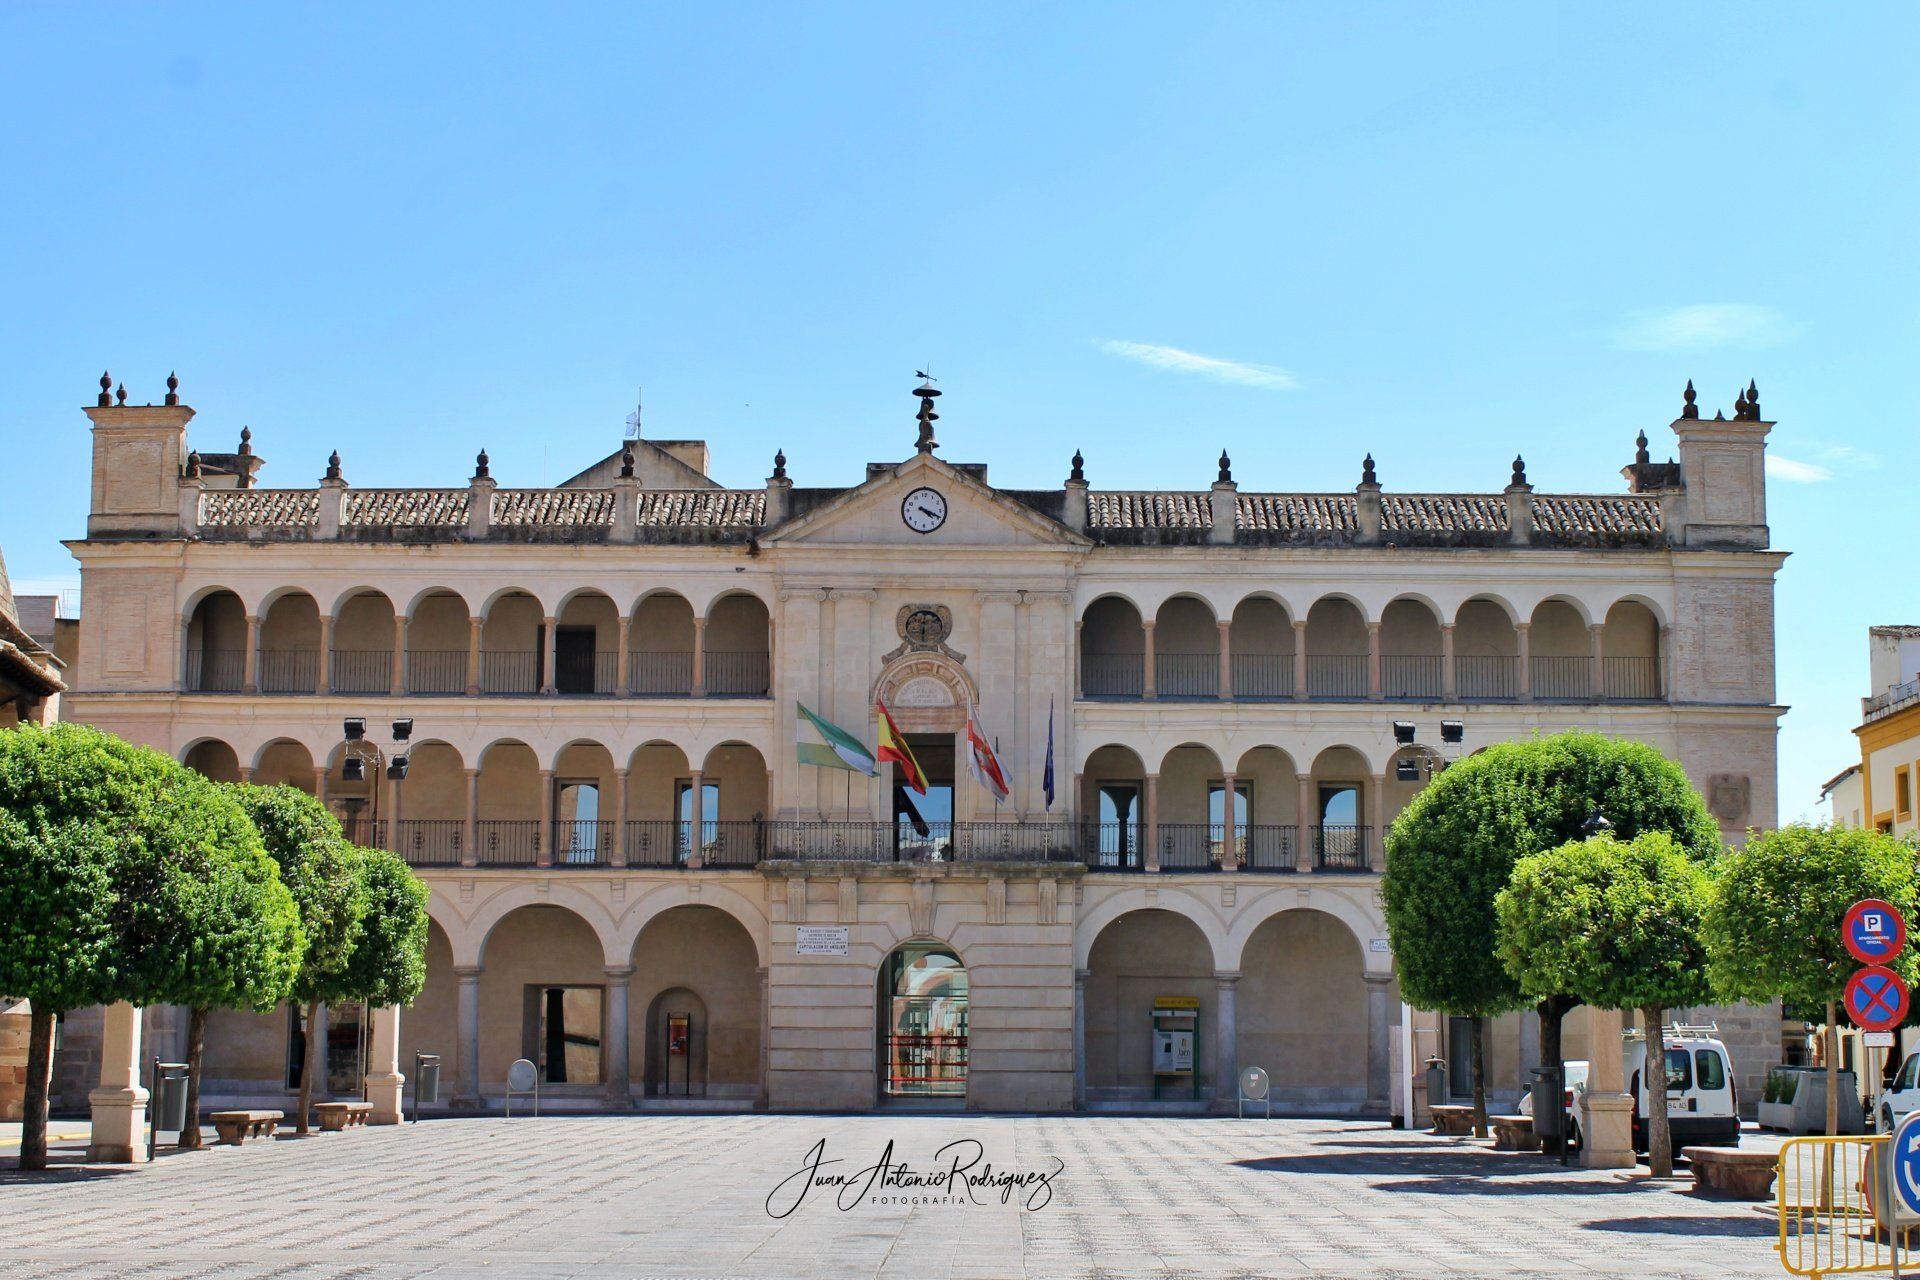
x,y
633,419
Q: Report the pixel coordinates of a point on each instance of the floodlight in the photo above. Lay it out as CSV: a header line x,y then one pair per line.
x,y
1453,730
1596,825
1403,732
402,730
397,768
353,769
1407,771
355,727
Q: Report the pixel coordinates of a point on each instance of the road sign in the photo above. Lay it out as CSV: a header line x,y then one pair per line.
x,y
1905,1148
1873,931
1876,999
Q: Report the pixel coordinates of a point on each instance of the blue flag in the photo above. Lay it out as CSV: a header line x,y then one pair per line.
x,y
1046,779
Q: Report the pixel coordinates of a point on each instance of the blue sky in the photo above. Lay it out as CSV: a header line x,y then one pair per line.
x,y
1442,233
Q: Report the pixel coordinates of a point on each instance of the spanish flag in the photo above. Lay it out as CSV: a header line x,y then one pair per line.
x,y
894,747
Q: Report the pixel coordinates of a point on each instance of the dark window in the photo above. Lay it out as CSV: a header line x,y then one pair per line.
x,y
573,659
1710,1069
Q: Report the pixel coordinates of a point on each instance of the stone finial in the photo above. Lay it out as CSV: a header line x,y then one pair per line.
x,y
106,390
246,441
120,394
1226,469
193,464
1641,457
926,391
480,471
1519,480
1690,409
1367,473
779,464
1753,401
1079,473
333,466
1740,410
1719,416
626,462
173,389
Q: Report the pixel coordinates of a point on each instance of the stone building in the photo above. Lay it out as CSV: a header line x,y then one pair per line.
x,y
637,886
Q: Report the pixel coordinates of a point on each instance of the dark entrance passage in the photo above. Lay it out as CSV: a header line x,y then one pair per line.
x,y
923,825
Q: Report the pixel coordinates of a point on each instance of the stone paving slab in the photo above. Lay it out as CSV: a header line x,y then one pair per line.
x,y
687,1197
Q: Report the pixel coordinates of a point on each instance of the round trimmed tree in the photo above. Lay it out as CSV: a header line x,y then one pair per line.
x,y
388,965
1452,850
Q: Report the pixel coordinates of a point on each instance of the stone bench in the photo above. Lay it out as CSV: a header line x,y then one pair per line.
x,y
1514,1133
1452,1119
235,1127
1746,1175
337,1116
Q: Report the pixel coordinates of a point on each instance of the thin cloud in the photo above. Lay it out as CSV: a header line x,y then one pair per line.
x,y
1782,468
1704,325
1235,371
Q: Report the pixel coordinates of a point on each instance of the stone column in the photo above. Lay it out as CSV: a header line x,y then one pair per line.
x,y
696,821
619,858
1522,631
474,626
1597,631
1449,676
1303,859
1299,660
470,830
699,689
246,772
323,679
551,628
398,676
385,1084
543,834
1376,836
1379,1041
619,976
1373,661
620,686
1226,1040
1226,659
1663,664
119,1105
1146,662
1079,1039
320,783
321,1032
469,1015
766,1032
1606,1110
250,660
1229,812
1150,829
1079,666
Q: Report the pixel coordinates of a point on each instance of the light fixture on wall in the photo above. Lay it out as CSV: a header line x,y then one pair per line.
x,y
1403,731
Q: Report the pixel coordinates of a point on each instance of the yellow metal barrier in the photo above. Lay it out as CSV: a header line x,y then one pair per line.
x,y
1825,1192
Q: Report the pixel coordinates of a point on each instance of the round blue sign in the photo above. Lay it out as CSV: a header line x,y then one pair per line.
x,y
1874,931
1906,1163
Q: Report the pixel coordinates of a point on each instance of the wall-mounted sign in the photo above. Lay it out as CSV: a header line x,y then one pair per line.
x,y
679,1032
1379,946
1176,1002
1173,1053
820,940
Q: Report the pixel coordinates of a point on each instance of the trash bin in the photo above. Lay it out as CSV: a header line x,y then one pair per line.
x,y
169,1100
1549,1108
1436,1080
426,1079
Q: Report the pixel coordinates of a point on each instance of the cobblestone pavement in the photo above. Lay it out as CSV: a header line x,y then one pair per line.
x,y
688,1196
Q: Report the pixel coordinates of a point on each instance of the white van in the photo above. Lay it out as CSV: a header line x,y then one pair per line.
x,y
1702,1106
1902,1096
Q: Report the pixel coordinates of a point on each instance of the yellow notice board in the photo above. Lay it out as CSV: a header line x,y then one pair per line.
x,y
1176,1002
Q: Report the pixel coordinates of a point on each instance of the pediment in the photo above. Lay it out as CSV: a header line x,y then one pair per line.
x,y
977,515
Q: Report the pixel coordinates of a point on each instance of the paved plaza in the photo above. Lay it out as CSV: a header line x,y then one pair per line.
x,y
689,1196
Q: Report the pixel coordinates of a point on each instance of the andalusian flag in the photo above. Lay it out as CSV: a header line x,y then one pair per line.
x,y
841,750
894,747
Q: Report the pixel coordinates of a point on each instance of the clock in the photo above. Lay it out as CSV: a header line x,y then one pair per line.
x,y
924,510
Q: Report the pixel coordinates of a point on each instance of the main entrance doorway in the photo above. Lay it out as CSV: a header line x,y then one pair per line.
x,y
923,1021
923,824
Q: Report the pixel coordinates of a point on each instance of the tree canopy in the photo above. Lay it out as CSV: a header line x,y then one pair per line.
x,y
321,872
389,961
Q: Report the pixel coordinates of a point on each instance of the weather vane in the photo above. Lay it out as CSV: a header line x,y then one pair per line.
x,y
633,419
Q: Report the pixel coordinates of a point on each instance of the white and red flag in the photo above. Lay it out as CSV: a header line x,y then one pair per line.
x,y
982,763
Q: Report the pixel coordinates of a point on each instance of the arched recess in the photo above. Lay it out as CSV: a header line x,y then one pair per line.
x,y
512,641
1410,650
1486,651
212,758
289,659
1191,810
361,656
431,1024
432,828
661,664
1112,650
543,997
1186,650
736,648
1632,661
1113,809
1267,810
216,643
284,762
699,962
659,790
1336,649
733,806
924,1041
1260,642
1138,958
1302,1012
586,645
507,817
582,805
1560,666
1338,801
439,633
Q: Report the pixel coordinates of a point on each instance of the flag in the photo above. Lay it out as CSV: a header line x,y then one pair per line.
x,y
894,747
911,813
982,763
1046,778
840,751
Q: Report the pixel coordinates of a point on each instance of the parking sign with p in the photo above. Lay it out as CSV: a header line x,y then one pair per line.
x,y
1873,931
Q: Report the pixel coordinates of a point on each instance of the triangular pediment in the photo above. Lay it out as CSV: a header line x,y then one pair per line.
x,y
874,514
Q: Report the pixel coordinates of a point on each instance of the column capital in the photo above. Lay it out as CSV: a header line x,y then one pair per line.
x,y
1446,627
1377,979
473,775
619,972
1299,624
469,972
1226,977
1523,627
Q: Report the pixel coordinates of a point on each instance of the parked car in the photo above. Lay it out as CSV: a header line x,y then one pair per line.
x,y
1576,1085
1703,1107
1902,1096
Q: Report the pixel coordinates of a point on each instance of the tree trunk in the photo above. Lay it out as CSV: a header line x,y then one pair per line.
x,y
310,1068
33,1122
196,1045
1553,1014
1479,1077
1833,1069
1659,1136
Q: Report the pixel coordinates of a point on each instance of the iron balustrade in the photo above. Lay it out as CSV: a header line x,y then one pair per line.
x,y
1336,675
436,671
509,671
1111,846
289,670
1113,675
1562,679
360,671
1632,679
1009,841
1262,675
429,842
582,842
216,670
741,674
1269,848
1411,676
1190,846
506,842
655,842
367,832
660,674
848,841
736,842
1340,848
1481,675
1186,675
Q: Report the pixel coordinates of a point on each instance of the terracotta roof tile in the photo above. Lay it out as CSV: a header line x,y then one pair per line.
x,y
1442,513
702,508
1296,516
1599,519
1108,510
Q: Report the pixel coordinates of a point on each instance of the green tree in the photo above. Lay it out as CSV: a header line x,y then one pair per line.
x,y
1773,923
389,961
321,872
1452,850
1616,924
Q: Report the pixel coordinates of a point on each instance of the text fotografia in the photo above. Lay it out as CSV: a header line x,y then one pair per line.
x,y
960,1174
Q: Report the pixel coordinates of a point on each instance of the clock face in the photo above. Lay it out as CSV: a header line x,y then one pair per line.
x,y
924,626
924,510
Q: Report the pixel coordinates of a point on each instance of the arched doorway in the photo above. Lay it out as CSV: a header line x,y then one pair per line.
x,y
923,1023
676,1045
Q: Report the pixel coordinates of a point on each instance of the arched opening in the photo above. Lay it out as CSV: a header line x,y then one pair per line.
x,y
1266,810
1143,962
582,804
543,998
217,644
1561,654
361,660
586,646
1113,648
1336,796
661,665
1261,643
432,829
285,763
923,1023
1410,657
1191,830
1113,809
736,659
506,825
696,997
1186,650
437,638
732,807
1336,649
431,1024
1631,645
1486,652
1301,1011
511,644
213,759
289,659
